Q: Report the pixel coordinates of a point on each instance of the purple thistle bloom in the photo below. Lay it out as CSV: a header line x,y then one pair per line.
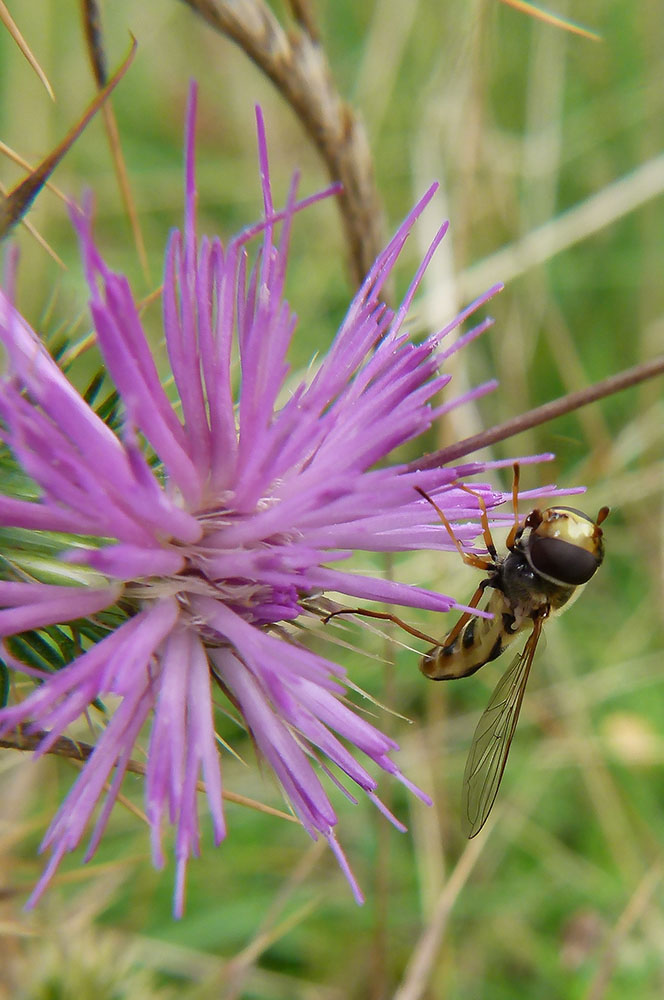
x,y
256,502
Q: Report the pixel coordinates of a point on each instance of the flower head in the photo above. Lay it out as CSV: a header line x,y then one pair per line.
x,y
212,515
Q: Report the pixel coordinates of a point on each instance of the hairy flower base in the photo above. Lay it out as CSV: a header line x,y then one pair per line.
x,y
257,498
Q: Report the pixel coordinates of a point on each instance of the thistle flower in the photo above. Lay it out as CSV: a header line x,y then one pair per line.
x,y
214,518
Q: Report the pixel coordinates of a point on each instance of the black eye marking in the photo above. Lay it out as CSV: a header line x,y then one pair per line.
x,y
562,561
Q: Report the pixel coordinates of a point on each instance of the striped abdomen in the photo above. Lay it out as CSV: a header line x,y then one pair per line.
x,y
479,641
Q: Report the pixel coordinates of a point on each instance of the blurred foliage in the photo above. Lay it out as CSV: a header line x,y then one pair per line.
x,y
529,130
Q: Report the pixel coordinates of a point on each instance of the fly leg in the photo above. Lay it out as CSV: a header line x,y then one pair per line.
x,y
436,663
516,530
479,562
384,616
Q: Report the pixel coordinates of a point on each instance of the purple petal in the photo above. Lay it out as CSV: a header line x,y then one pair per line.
x,y
35,605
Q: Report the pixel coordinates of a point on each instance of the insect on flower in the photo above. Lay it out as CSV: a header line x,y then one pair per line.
x,y
551,556
195,530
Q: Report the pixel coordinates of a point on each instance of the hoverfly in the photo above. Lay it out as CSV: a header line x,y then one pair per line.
x,y
551,555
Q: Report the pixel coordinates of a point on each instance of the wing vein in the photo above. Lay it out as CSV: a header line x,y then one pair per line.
x,y
493,736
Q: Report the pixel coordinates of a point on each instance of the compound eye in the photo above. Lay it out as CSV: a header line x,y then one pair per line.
x,y
561,561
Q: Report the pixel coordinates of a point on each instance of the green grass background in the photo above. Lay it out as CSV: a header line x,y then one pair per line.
x,y
529,130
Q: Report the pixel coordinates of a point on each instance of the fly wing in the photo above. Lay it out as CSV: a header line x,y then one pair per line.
x,y
493,737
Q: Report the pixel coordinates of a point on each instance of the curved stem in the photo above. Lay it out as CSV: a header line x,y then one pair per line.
x,y
296,63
